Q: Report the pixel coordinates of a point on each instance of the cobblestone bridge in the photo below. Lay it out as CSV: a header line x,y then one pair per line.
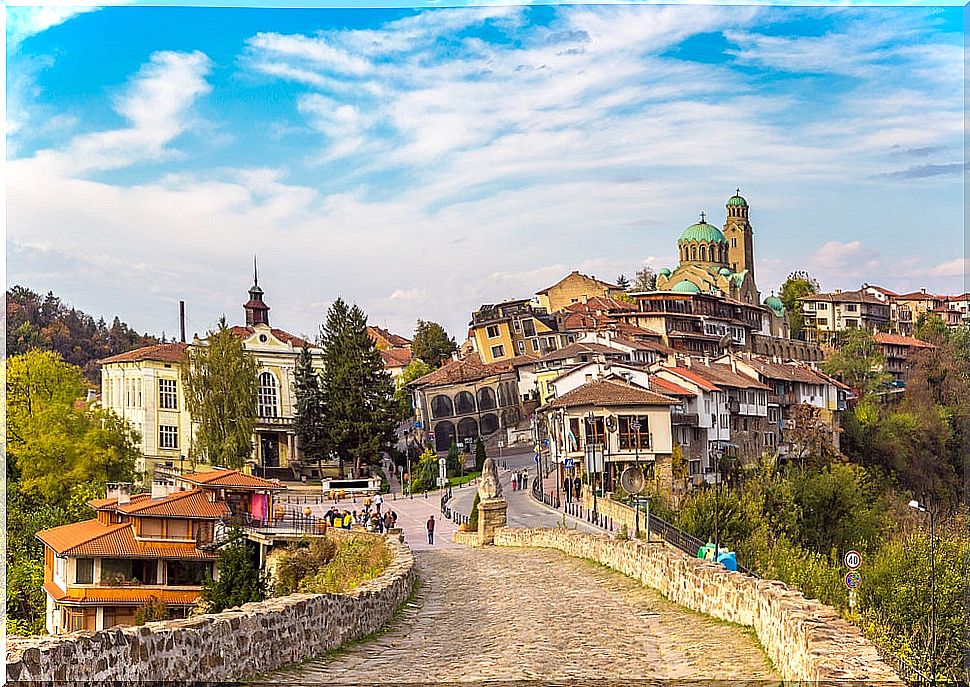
x,y
520,614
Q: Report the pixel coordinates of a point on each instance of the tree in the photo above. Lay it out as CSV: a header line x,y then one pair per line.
x,y
644,280
623,282
455,461
221,391
309,420
432,343
930,327
859,362
240,579
37,381
153,610
405,399
798,285
480,454
357,390
809,438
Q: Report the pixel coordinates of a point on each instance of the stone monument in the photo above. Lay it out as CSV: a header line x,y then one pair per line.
x,y
492,507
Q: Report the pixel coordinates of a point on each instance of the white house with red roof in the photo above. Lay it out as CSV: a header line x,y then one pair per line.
x,y
144,387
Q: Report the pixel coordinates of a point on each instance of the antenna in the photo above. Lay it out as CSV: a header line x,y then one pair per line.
x,y
255,273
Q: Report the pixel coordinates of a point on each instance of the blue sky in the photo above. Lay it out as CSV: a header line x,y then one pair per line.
x,y
424,161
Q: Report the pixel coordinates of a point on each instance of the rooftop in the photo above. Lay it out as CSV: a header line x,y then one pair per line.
x,y
166,353
605,392
91,538
899,340
229,479
394,340
859,296
469,368
396,357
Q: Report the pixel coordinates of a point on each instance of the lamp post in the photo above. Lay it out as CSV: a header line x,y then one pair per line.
x,y
635,426
922,508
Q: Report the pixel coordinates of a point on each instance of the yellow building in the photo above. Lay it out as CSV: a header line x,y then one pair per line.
x,y
574,288
144,386
513,328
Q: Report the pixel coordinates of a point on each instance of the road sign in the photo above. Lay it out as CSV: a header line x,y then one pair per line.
x,y
852,559
568,463
536,458
431,436
853,579
417,424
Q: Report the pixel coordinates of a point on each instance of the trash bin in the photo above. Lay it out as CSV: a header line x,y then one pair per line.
x,y
729,559
706,552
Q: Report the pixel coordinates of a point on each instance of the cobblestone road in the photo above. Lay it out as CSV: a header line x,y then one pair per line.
x,y
535,614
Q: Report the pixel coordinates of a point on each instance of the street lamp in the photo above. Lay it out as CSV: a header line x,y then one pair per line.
x,y
635,426
923,509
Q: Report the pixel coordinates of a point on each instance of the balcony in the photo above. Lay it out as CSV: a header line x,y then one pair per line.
x,y
733,406
681,418
273,422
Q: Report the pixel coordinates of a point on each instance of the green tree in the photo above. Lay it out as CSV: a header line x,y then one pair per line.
x,y
402,394
930,327
425,473
623,282
859,362
153,610
221,391
357,390
644,280
240,579
432,343
480,454
37,381
798,285
309,419
454,459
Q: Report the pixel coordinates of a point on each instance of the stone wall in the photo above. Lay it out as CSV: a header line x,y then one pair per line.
x,y
806,640
236,644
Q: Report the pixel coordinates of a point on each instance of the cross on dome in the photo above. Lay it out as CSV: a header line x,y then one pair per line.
x,y
702,215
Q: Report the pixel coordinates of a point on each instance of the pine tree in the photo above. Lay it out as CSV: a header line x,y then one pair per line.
x,y
310,416
240,579
480,455
221,391
455,461
357,390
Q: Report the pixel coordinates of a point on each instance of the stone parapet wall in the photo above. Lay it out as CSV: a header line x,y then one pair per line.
x,y
805,639
236,644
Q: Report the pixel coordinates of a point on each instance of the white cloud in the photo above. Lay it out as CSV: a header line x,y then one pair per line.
x,y
957,267
156,105
836,260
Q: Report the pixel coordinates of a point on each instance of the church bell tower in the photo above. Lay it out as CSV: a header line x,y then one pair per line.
x,y
740,236
257,312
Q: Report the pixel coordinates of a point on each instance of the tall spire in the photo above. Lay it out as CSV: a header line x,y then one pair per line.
x,y
255,273
257,312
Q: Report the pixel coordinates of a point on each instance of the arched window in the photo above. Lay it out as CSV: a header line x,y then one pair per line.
x,y
441,406
467,429
693,252
489,424
464,403
703,253
443,434
269,405
486,399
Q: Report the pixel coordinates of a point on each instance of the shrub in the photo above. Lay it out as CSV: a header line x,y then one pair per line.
x,y
302,561
240,579
330,565
154,609
473,516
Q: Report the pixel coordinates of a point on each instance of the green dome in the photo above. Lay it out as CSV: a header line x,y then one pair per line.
x,y
775,304
685,286
702,232
665,271
725,271
737,200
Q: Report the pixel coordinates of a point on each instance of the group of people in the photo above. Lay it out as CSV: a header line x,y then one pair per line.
x,y
369,517
520,480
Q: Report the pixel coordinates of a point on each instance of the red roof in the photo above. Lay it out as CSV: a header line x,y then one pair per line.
x,y
881,290
917,296
285,337
395,341
899,340
90,596
606,392
689,375
166,353
667,387
396,357
229,479
91,538
469,368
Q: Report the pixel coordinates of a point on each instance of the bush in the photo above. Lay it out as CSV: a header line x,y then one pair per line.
x,y
302,561
331,566
153,610
473,516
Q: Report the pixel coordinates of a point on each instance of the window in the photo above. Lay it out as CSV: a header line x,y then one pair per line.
x,y
535,345
84,571
851,307
529,327
520,345
517,325
151,527
572,441
167,398
498,351
138,384
595,431
734,242
168,436
177,529
631,438
268,403
492,331
186,573
823,320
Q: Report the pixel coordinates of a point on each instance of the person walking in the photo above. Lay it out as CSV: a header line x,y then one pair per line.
x,y
431,530
378,501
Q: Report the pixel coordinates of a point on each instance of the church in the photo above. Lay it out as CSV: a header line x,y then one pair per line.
x,y
721,262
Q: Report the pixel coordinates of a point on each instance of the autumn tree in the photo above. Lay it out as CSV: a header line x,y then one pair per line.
x,y
859,362
221,392
432,343
644,280
798,285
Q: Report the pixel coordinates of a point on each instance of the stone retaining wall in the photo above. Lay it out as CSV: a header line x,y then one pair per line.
x,y
805,639
236,644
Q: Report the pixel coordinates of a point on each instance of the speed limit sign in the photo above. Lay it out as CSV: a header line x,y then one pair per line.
x,y
852,559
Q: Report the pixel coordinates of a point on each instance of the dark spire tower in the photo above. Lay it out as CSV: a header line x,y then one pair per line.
x,y
257,312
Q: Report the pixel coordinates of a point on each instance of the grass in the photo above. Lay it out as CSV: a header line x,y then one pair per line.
x,y
337,568
464,479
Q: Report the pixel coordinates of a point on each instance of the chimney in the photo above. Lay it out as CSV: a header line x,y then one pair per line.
x,y
161,488
120,491
182,321
734,363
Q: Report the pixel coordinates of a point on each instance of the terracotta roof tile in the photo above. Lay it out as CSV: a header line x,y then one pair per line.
x,y
469,368
396,357
91,538
783,371
229,479
899,340
599,304
394,340
690,375
183,504
167,353
669,388
604,392
845,297
92,595
613,287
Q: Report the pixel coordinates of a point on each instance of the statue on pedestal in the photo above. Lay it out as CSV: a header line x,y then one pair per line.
x,y
488,485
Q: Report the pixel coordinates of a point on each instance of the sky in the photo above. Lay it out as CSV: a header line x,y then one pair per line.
x,y
424,161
